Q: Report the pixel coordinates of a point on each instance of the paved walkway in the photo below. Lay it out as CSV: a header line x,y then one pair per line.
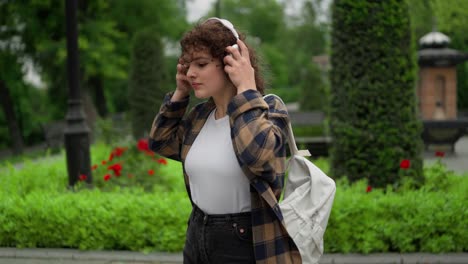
x,y
72,256
457,161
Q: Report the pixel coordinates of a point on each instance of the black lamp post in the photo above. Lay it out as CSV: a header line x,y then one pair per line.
x,y
76,131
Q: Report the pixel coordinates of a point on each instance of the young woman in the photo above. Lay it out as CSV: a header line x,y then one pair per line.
x,y
232,148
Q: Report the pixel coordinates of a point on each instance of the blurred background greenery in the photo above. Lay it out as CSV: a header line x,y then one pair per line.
x,y
118,40
32,36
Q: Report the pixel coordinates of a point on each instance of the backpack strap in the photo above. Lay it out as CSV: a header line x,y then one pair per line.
x,y
291,141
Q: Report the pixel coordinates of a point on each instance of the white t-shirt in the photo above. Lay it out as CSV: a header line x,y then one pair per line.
x,y
217,182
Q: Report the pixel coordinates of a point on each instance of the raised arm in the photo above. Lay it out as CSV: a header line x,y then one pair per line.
x,y
257,130
168,128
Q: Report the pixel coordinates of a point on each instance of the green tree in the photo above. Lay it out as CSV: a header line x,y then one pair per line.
x,y
263,22
105,28
304,40
313,94
286,42
167,17
261,19
10,69
422,17
41,28
373,118
146,89
452,20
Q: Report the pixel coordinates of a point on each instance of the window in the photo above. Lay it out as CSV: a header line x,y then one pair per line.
x,y
440,91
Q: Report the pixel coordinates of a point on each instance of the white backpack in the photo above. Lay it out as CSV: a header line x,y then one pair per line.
x,y
307,202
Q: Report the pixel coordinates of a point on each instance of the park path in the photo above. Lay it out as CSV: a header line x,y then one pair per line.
x,y
457,161
72,256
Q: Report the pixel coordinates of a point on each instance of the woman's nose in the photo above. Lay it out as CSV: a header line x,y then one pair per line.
x,y
190,72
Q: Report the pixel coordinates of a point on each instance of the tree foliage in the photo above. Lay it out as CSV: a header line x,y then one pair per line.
x,y
373,120
450,18
146,89
314,94
286,42
105,30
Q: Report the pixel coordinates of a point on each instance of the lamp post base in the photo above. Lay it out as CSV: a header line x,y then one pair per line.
x,y
77,144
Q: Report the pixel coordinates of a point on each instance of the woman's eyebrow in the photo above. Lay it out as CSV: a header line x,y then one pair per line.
x,y
201,58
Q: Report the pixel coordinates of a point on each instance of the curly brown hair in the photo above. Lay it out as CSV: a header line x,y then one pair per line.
x,y
214,37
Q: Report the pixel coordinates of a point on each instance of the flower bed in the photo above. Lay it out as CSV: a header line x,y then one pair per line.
x,y
149,211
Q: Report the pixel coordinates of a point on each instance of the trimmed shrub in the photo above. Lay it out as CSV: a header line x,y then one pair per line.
x,y
373,121
314,95
430,219
130,220
146,89
38,211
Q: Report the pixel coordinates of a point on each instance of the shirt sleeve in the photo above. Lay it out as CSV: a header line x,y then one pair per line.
x,y
257,131
168,127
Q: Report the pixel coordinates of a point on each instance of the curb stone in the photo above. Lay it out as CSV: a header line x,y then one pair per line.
x,y
75,256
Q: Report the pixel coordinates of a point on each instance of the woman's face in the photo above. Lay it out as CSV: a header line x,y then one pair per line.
x,y
206,75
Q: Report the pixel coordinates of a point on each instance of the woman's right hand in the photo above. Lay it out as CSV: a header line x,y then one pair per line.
x,y
183,84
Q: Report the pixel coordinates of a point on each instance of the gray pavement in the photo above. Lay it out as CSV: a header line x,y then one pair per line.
x,y
72,256
457,161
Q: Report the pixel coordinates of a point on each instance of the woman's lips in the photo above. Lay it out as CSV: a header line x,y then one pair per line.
x,y
195,85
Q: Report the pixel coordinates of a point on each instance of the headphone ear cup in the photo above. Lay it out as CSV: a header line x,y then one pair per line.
x,y
234,46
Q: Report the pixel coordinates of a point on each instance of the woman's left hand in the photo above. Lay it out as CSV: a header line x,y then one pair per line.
x,y
239,69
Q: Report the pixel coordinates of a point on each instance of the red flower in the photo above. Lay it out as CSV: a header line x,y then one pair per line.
x,y
368,189
94,167
103,162
440,154
143,145
83,177
107,177
117,152
162,161
405,164
116,168
150,172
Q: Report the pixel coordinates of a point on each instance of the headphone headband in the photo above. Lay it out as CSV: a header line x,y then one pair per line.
x,y
225,23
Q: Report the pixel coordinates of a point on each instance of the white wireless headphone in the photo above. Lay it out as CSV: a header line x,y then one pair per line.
x,y
228,25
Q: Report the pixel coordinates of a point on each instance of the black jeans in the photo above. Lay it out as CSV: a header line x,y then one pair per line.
x,y
218,239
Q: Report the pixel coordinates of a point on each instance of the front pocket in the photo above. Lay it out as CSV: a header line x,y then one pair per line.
x,y
242,231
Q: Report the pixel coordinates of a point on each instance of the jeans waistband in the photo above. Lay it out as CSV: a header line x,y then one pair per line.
x,y
219,218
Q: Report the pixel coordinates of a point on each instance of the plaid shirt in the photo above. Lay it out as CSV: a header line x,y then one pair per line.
x,y
257,128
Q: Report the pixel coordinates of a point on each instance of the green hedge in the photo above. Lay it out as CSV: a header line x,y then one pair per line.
x,y
38,211
131,220
410,221
309,131
373,113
